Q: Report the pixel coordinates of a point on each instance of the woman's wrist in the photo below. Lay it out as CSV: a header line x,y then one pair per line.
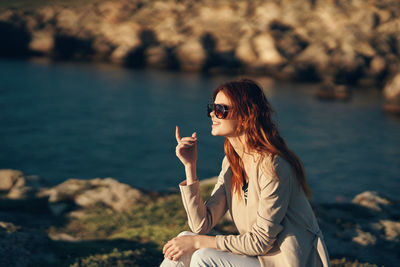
x,y
196,242
204,241
190,170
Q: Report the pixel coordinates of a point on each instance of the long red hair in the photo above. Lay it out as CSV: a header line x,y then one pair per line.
x,y
250,106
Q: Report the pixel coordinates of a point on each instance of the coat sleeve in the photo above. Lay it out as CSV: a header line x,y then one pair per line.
x,y
273,204
202,217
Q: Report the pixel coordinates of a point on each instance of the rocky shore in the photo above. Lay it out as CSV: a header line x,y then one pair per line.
x,y
347,42
338,43
102,222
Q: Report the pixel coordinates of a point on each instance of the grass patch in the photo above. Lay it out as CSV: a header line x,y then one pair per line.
x,y
134,238
157,222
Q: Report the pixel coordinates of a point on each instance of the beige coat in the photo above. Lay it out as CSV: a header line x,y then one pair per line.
x,y
277,224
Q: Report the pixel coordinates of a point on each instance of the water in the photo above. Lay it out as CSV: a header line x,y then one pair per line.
x,y
70,120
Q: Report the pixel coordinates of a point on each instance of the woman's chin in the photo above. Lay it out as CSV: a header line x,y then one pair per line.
x,y
214,132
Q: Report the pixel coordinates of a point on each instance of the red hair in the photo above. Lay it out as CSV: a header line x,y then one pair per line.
x,y
250,105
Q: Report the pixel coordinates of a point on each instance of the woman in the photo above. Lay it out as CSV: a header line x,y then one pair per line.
x,y
262,185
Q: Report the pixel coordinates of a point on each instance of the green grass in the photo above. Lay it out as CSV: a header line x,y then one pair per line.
x,y
133,238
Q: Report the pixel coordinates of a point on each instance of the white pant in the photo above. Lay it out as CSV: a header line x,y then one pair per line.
x,y
208,257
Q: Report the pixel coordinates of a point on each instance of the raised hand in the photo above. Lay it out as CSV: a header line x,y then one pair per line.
x,y
186,150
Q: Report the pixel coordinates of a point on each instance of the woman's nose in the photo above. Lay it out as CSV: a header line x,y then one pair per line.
x,y
212,114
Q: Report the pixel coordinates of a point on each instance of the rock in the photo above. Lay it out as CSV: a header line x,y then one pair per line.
x,y
371,200
365,50
287,41
245,53
86,193
68,21
191,55
26,187
9,227
66,190
355,42
311,63
364,238
392,230
8,178
24,247
62,237
264,13
112,193
391,94
366,229
377,65
116,12
331,91
42,41
156,57
168,33
47,14
120,54
122,34
123,37
267,54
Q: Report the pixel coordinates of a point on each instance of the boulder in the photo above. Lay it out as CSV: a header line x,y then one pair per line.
x,y
122,38
365,49
264,13
267,54
42,41
122,34
330,91
168,33
86,193
156,57
191,55
392,230
364,238
112,193
371,200
67,21
367,229
120,54
115,12
377,65
26,187
8,178
288,42
311,63
391,94
47,14
245,52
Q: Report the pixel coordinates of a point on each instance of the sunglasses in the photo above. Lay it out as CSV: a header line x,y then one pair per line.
x,y
221,111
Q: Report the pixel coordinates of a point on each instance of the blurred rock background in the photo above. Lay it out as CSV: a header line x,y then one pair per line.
x,y
353,42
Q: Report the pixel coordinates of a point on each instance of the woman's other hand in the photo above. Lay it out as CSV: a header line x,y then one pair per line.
x,y
179,246
186,150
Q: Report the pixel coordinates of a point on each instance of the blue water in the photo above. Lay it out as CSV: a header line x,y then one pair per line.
x,y
70,120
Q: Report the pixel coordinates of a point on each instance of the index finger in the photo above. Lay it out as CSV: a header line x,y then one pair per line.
x,y
177,134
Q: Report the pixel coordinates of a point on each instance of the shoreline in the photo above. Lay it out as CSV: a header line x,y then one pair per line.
x,y
286,41
103,221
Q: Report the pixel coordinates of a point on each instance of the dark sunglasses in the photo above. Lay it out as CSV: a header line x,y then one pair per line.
x,y
221,111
